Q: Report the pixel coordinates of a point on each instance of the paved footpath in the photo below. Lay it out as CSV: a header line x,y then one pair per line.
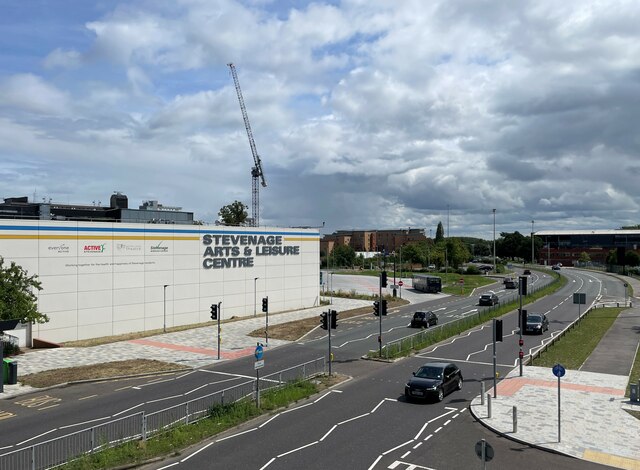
x,y
196,347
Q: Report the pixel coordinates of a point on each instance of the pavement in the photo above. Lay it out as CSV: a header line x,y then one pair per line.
x,y
594,424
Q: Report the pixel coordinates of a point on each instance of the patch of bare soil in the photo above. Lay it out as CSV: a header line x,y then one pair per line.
x,y
294,330
107,370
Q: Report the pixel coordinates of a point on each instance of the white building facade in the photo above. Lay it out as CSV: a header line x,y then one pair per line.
x,y
103,279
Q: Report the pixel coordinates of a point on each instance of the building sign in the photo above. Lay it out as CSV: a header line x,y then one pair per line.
x,y
94,248
239,251
128,248
159,248
61,248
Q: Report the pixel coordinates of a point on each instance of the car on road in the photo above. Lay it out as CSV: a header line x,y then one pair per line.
x,y
510,284
490,298
536,323
556,267
527,272
433,380
424,319
485,268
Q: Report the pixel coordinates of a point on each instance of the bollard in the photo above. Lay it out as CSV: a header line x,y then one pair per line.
x,y
489,405
482,393
515,419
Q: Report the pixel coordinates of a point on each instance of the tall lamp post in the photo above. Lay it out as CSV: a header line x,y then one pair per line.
x,y
164,307
254,295
532,255
494,240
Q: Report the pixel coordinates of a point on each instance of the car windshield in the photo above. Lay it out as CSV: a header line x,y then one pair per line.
x,y
419,315
429,372
534,318
486,296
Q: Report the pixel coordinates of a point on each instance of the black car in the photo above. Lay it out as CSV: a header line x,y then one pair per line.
x,y
510,284
527,272
433,380
489,298
556,267
536,323
424,320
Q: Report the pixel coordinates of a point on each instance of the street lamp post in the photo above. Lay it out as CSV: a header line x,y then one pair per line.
x,y
494,240
532,255
254,295
164,309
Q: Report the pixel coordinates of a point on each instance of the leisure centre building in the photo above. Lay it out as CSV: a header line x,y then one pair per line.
x,y
102,279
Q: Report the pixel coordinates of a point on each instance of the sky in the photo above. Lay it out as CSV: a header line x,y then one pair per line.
x,y
366,114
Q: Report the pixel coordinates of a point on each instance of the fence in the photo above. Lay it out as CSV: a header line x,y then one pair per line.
x,y
446,330
57,451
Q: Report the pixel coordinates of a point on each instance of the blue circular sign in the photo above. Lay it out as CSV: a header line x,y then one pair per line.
x,y
558,370
258,352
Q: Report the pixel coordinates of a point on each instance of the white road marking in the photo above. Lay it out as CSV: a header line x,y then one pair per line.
x,y
269,420
87,397
128,409
354,418
415,447
328,432
299,448
236,435
267,464
397,447
84,422
196,452
170,465
437,430
36,437
403,456
375,462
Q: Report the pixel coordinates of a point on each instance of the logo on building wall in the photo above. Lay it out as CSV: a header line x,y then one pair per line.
x,y
94,248
62,248
159,248
128,248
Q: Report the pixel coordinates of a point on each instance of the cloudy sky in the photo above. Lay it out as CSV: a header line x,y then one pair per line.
x,y
366,113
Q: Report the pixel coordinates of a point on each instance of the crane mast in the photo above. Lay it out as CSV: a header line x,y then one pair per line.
x,y
256,171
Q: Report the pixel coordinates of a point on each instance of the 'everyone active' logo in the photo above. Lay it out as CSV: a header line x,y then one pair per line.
x,y
94,248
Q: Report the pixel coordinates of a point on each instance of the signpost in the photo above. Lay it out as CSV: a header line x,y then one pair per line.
x,y
461,282
558,371
259,364
579,298
400,283
484,451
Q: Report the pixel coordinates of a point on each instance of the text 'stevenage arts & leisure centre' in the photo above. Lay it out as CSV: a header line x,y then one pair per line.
x,y
102,279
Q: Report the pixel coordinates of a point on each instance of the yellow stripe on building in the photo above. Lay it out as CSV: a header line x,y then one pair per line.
x,y
304,239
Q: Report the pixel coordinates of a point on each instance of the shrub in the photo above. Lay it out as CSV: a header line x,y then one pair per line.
x,y
473,269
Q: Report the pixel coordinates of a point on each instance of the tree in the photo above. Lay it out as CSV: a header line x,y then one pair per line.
x,y
234,213
584,257
439,233
342,255
631,258
17,300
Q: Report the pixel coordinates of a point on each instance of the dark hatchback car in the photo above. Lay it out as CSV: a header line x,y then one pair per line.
x,y
433,380
424,320
527,272
536,323
489,299
510,284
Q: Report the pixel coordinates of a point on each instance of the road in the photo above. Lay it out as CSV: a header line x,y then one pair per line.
x,y
364,423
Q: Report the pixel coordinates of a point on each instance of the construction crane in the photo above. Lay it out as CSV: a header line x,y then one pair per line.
x,y
256,171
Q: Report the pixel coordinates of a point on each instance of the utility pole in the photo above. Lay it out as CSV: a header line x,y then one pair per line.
x,y
532,254
494,240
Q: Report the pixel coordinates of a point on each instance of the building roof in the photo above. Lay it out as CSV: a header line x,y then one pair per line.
x,y
543,233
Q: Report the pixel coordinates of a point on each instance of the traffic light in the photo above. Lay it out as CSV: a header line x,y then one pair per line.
x,y
383,279
498,330
323,321
376,308
265,304
523,285
334,319
523,320
214,312
384,306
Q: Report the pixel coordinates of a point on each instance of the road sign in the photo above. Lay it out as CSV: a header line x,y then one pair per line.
x,y
579,298
461,281
258,352
558,370
488,450
258,364
400,283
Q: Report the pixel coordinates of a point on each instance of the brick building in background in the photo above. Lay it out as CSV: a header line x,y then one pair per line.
x,y
372,240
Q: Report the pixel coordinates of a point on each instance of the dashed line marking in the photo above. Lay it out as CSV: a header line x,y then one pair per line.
x,y
86,398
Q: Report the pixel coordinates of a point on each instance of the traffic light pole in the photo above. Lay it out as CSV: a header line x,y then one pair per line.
x,y
266,328
329,331
520,290
219,315
495,367
380,319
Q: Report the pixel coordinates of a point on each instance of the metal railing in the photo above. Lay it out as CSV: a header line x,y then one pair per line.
x,y
60,450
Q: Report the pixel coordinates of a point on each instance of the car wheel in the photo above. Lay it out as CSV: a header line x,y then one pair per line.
x,y
459,384
440,394
407,397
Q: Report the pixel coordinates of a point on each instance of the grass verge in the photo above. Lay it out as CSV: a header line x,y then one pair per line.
x,y
418,341
220,418
577,344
